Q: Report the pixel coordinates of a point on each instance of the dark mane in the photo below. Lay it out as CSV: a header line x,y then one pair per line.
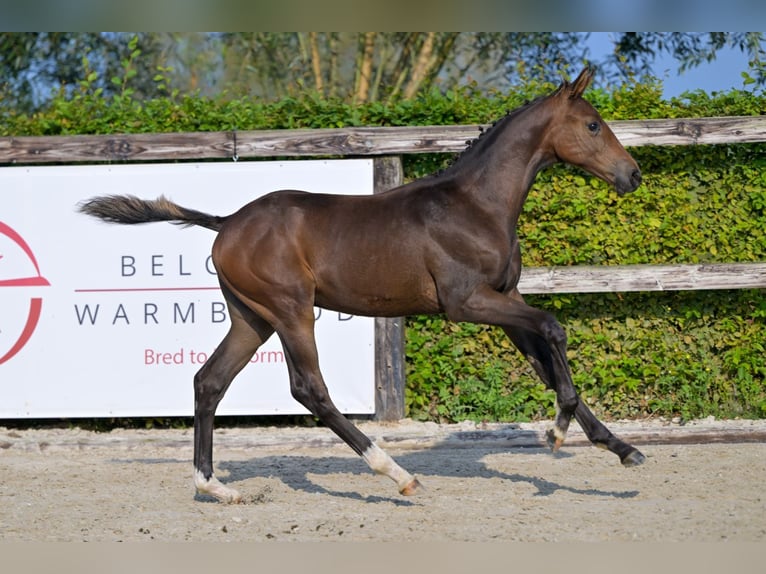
x,y
488,134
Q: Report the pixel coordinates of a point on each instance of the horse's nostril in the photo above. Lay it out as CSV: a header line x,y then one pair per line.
x,y
636,176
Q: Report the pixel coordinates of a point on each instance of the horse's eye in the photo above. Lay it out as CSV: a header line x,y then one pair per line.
x,y
594,127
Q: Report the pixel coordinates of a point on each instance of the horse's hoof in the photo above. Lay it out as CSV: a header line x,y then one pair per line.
x,y
213,487
554,441
633,458
412,487
228,496
233,498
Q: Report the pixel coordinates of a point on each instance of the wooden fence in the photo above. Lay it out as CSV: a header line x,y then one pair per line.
x,y
386,145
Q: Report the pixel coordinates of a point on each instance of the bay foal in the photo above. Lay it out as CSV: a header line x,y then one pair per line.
x,y
446,243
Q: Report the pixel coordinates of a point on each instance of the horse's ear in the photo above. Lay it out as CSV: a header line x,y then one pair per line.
x,y
581,83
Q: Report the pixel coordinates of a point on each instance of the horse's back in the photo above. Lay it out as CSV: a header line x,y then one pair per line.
x,y
361,254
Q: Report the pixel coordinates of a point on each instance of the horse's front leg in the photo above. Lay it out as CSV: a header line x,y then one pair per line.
x,y
548,359
537,354
599,435
542,340
540,355
539,336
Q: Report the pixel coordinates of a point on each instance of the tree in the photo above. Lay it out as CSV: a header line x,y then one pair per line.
x,y
371,66
357,67
635,51
34,65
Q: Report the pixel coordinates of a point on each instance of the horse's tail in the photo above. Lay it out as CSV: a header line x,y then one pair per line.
x,y
129,209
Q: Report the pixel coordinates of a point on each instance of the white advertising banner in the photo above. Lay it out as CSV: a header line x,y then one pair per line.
x,y
104,320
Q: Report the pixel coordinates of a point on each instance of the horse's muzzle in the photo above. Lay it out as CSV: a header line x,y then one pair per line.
x,y
628,184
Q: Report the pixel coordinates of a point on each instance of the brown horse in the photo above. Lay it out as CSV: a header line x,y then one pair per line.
x,y
446,243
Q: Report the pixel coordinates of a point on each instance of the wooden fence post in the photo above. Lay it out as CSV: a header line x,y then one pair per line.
x,y
389,332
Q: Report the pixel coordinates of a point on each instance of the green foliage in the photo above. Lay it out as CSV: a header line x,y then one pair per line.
x,y
469,372
689,354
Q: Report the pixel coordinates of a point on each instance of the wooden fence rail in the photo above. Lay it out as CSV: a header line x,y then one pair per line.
x,y
387,143
624,278
373,141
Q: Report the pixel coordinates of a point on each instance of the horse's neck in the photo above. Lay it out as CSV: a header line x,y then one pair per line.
x,y
501,170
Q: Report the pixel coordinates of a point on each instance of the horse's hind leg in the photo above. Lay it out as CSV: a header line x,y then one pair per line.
x,y
247,333
307,387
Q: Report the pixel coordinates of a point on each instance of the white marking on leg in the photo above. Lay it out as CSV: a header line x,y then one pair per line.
x,y
381,463
559,433
215,488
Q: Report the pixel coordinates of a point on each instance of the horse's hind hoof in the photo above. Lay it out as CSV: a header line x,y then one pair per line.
x,y
633,458
412,487
213,487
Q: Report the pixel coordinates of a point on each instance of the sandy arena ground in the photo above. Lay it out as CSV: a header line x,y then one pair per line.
x,y
702,481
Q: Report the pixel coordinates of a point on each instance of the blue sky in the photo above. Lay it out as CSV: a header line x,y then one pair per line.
x,y
722,74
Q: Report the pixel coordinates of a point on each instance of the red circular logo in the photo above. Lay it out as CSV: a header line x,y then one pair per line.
x,y
35,303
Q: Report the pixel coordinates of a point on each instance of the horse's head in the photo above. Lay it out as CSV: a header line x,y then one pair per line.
x,y
580,136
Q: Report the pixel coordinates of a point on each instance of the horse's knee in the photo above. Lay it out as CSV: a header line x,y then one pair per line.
x,y
554,333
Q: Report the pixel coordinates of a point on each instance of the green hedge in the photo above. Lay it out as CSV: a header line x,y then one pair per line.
x,y
689,354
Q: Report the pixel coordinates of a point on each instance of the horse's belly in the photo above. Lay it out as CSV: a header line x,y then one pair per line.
x,y
384,299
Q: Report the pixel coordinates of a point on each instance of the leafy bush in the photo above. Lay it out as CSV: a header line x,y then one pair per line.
x,y
690,354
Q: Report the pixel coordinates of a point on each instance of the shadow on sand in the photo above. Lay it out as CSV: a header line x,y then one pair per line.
x,y
295,471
